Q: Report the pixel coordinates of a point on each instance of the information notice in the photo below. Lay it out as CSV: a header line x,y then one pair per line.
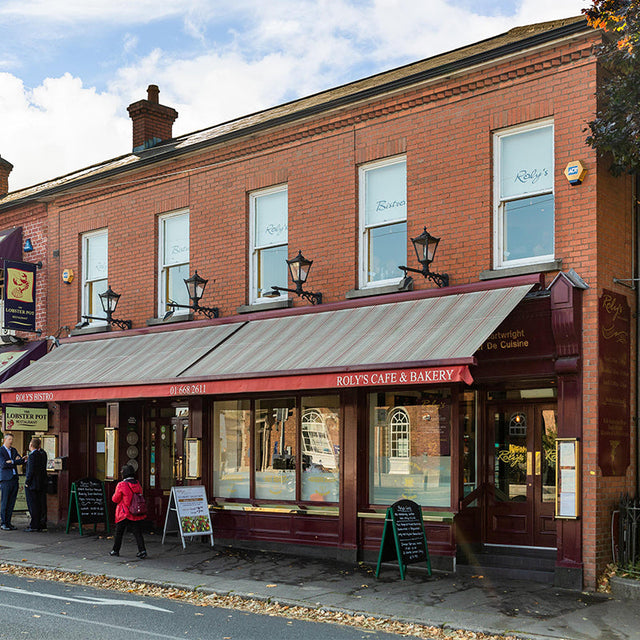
x,y
188,513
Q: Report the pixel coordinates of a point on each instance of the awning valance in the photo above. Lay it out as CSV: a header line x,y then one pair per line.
x,y
418,341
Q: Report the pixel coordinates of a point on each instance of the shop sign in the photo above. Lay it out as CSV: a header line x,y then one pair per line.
x,y
20,296
614,384
431,375
26,419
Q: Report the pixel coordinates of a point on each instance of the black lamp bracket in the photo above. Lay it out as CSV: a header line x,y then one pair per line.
x,y
122,324
441,279
210,312
313,298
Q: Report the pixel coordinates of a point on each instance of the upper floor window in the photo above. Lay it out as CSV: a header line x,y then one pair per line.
x,y
173,231
95,271
524,200
383,221
269,241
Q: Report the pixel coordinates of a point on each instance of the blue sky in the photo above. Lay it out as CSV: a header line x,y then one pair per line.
x,y
69,68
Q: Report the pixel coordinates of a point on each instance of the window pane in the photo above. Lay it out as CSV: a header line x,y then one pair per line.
x,y
410,455
529,227
387,250
176,288
231,449
510,465
321,448
96,258
549,433
275,449
469,434
386,194
526,162
94,289
272,268
176,240
271,219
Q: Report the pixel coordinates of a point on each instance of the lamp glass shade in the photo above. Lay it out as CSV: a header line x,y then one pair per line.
x,y
299,268
109,300
425,245
195,286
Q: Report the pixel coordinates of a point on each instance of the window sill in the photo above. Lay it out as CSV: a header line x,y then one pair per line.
x,y
491,274
265,306
375,291
182,317
101,328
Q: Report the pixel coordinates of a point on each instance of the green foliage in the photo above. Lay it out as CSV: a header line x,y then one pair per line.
x,y
616,128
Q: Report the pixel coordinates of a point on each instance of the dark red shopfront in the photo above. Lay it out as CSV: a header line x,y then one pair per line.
x,y
311,458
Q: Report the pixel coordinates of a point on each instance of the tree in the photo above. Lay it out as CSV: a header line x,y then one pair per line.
x,y
616,128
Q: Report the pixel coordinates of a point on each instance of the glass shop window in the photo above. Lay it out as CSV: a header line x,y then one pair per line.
x,y
468,413
410,447
320,426
383,221
524,200
232,446
173,251
269,241
275,449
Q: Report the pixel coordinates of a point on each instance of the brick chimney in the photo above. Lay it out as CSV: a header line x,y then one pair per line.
x,y
5,170
152,122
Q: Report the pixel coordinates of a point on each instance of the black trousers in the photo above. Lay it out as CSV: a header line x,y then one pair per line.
x,y
37,505
135,526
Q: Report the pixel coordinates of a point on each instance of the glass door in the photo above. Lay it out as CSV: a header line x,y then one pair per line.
x,y
521,474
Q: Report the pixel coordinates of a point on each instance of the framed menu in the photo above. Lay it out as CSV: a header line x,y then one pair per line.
x,y
111,453
567,478
192,454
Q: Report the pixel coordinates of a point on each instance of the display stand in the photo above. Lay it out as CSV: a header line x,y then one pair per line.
x,y
188,514
403,537
88,504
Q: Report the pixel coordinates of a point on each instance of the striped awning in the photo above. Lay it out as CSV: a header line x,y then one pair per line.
x,y
303,350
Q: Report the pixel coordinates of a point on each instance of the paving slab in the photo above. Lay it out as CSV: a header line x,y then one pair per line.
x,y
474,603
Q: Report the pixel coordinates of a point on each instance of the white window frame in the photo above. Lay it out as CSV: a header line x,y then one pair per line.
x,y
254,250
86,282
399,432
364,229
498,202
315,439
162,267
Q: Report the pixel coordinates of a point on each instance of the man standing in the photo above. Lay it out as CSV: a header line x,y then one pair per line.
x,y
9,459
35,486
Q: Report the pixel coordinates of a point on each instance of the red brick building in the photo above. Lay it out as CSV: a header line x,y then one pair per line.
x,y
502,402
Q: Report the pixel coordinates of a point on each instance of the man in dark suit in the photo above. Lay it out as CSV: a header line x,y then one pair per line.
x,y
9,461
35,486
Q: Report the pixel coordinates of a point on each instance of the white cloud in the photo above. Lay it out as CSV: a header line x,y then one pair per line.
x,y
252,55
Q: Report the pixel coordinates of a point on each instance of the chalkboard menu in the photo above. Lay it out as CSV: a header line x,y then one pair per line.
x,y
87,504
403,537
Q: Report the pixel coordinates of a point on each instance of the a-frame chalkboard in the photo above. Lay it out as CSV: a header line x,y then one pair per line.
x,y
88,504
403,537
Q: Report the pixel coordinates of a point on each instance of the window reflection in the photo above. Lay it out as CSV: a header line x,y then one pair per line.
x,y
232,439
410,447
320,426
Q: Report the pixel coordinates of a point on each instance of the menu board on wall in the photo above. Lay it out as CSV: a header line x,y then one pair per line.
x,y
567,478
614,384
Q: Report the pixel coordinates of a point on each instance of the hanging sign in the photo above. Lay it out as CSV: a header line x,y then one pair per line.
x,y
87,504
188,513
403,537
19,296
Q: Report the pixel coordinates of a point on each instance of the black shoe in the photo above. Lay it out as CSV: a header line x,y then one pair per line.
x,y
12,527
141,554
113,552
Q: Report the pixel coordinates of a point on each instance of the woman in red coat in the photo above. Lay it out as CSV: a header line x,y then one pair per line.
x,y
124,518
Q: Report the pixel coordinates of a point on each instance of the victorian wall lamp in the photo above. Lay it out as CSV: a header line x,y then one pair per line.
x,y
425,246
299,268
195,286
109,301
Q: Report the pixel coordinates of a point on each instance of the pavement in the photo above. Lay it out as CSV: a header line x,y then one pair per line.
x,y
471,602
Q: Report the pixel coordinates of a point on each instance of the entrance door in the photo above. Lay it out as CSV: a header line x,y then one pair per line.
x,y
166,429
521,474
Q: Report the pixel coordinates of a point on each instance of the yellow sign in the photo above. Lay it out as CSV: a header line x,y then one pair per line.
x,y
20,285
26,419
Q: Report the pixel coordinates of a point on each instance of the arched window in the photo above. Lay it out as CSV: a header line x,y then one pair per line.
x,y
399,441
315,439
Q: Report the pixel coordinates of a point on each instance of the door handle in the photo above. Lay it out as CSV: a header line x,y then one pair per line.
x,y
529,463
538,463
